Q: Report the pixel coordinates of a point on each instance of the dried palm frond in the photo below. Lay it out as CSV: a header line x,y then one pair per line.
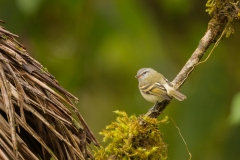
x,y
37,117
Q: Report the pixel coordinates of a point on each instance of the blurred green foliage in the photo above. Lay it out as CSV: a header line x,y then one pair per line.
x,y
94,49
234,117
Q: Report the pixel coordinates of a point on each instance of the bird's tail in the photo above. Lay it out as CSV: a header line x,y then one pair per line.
x,y
179,96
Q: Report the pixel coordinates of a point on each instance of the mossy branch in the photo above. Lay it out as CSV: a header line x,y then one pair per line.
x,y
224,15
130,139
140,138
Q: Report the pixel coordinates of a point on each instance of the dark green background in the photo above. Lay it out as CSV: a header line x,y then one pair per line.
x,y
94,49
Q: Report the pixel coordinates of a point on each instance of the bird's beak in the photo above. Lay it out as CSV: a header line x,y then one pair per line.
x,y
137,76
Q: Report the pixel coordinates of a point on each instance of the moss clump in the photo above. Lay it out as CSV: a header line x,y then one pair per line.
x,y
224,8
133,138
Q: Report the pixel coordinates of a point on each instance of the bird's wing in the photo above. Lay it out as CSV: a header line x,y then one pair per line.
x,y
154,89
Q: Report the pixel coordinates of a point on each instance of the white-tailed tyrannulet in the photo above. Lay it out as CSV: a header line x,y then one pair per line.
x,y
154,87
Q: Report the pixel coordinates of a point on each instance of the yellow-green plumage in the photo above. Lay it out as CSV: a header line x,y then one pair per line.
x,y
154,87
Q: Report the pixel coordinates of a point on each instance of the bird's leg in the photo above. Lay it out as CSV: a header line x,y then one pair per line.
x,y
157,109
154,108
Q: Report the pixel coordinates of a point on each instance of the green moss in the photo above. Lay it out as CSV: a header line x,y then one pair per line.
x,y
224,8
4,37
44,70
133,138
212,5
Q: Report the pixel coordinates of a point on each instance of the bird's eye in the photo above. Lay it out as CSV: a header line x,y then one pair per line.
x,y
145,72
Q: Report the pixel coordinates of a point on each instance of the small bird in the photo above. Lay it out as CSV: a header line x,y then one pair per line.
x,y
154,87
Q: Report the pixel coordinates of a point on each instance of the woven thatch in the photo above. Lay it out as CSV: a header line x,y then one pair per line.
x,y
37,117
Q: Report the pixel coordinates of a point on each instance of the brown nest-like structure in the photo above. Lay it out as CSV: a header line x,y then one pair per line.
x,y
38,119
